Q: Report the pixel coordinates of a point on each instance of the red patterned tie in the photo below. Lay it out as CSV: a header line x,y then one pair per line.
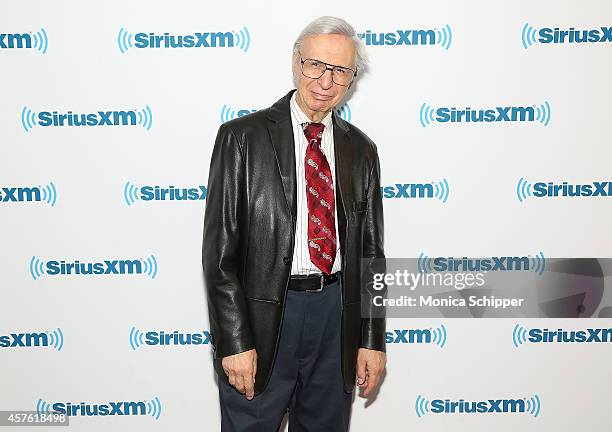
x,y
320,198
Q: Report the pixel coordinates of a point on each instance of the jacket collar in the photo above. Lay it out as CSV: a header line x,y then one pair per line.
x,y
280,112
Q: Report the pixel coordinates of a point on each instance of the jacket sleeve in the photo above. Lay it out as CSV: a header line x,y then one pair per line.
x,y
222,254
373,319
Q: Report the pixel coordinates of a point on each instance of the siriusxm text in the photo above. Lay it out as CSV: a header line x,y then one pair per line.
x,y
501,263
15,40
590,335
105,267
158,193
448,406
497,114
408,336
99,118
408,190
555,35
399,37
16,194
565,189
104,409
176,338
193,40
24,340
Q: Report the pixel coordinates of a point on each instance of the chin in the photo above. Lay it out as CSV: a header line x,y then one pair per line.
x,y
316,105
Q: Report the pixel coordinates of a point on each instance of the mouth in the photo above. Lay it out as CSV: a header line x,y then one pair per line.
x,y
321,97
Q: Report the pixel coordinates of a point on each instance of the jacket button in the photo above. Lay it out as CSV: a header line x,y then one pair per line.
x,y
286,260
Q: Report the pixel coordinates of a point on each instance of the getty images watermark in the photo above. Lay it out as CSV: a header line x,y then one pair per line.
x,y
491,287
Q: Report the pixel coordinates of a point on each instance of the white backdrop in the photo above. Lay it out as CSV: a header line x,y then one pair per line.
x,y
76,57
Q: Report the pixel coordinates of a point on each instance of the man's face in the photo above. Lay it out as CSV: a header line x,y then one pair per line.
x,y
318,96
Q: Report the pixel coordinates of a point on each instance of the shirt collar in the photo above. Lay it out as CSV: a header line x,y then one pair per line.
x,y
301,117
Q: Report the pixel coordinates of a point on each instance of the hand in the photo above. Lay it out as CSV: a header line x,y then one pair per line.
x,y
370,366
240,369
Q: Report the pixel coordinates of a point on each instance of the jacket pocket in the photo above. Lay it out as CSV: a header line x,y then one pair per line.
x,y
360,206
263,300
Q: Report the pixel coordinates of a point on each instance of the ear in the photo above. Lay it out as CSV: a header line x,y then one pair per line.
x,y
353,81
295,61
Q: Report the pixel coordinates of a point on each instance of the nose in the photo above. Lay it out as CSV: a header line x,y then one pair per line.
x,y
326,81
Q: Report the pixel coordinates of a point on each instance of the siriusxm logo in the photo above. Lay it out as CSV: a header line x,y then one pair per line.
x,y
151,408
240,39
433,36
547,35
523,405
133,193
435,189
30,40
520,335
534,263
435,336
139,338
147,267
525,189
534,113
136,117
46,194
52,339
227,113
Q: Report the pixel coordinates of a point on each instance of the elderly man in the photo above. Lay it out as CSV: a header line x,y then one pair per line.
x,y
293,208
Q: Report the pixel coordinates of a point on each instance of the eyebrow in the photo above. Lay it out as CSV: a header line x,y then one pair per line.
x,y
330,64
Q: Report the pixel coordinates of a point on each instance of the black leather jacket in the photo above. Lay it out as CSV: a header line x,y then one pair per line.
x,y
249,234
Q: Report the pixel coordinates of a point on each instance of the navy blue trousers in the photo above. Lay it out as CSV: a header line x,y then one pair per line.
x,y
306,377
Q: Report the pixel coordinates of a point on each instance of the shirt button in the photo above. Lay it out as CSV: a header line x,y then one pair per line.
x,y
286,260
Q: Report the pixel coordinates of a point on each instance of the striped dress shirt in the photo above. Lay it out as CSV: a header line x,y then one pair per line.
x,y
301,255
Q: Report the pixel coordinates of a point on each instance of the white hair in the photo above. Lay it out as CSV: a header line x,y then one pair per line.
x,y
332,25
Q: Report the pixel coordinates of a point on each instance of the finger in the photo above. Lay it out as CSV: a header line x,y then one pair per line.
x,y
374,380
240,383
231,377
249,385
254,367
372,383
361,372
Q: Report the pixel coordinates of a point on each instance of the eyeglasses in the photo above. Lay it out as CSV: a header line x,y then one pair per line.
x,y
312,68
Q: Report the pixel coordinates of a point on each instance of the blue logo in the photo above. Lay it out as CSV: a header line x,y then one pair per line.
x,y
227,113
151,408
45,194
53,339
534,113
433,36
30,40
133,193
525,189
546,35
139,338
530,406
136,117
146,267
535,263
521,335
436,336
240,39
344,112
436,189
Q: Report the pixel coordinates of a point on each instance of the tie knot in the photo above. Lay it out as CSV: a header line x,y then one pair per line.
x,y
313,132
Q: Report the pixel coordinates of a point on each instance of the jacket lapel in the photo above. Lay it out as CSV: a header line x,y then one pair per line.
x,y
281,136
342,151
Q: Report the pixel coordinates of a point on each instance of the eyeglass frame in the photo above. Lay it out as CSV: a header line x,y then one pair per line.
x,y
327,67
